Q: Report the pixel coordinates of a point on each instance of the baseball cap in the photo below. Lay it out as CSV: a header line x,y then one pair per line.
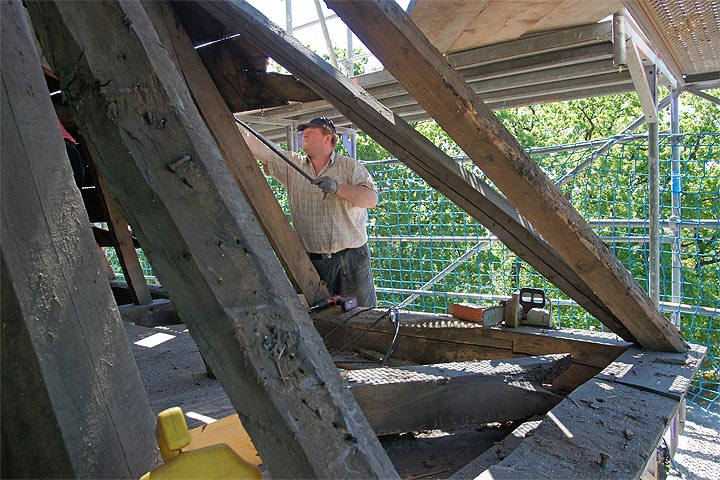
x,y
318,122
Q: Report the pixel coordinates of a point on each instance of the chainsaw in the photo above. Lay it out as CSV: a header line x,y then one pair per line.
x,y
525,307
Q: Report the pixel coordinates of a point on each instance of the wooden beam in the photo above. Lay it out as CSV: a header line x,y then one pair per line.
x,y
423,397
416,151
237,67
244,167
118,234
160,161
666,374
606,428
124,245
73,403
388,32
434,338
159,312
452,395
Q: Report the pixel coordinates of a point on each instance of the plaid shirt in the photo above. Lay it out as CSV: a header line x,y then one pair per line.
x,y
332,225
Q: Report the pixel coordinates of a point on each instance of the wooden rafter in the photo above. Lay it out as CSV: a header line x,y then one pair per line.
x,y
416,151
389,33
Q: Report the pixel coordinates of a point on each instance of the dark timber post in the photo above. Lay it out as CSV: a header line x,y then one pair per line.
x,y
71,399
160,161
244,167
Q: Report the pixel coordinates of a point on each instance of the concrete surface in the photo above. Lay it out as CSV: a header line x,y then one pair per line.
x,y
698,453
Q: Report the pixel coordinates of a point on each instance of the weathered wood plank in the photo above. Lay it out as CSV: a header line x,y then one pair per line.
x,y
452,395
118,234
416,151
73,404
157,313
445,21
242,164
595,349
602,420
125,248
610,426
470,23
667,374
388,32
160,161
425,338
418,345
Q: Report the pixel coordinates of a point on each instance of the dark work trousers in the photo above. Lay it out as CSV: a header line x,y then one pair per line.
x,y
347,273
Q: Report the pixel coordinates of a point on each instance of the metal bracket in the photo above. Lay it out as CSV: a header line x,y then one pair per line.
x,y
645,80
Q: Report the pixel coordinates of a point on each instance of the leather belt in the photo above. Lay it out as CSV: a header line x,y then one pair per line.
x,y
326,256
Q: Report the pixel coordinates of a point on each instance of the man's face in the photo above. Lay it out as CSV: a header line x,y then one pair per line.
x,y
313,138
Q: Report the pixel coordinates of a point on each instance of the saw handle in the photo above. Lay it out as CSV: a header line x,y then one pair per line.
x,y
532,298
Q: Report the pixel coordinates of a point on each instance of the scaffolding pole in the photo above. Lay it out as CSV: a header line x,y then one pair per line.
x,y
654,193
676,183
326,34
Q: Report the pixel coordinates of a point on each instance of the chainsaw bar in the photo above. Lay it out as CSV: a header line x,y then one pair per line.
x,y
492,316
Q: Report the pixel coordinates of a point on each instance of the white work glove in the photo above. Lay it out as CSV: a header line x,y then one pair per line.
x,y
326,184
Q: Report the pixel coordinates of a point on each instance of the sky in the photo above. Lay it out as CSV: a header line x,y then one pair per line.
x,y
305,11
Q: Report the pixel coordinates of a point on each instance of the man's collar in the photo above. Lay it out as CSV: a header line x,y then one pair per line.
x,y
306,157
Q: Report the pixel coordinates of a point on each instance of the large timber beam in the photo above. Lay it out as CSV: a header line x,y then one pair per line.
x,y
611,425
452,395
390,34
73,404
416,151
423,339
237,155
160,162
238,68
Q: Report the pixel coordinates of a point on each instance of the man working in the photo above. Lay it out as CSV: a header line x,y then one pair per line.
x,y
330,213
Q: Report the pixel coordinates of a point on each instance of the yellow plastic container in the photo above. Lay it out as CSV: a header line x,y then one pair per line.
x,y
213,462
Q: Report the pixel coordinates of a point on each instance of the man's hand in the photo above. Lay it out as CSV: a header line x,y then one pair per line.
x,y
326,184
